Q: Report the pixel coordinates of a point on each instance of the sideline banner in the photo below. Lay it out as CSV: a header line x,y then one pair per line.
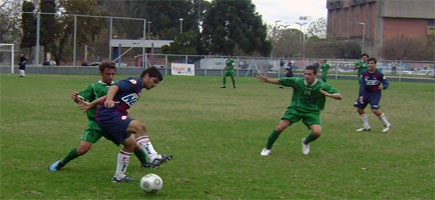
x,y
182,69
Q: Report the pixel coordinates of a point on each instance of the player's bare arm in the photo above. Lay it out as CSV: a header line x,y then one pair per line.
x,y
75,97
109,103
85,106
263,78
336,96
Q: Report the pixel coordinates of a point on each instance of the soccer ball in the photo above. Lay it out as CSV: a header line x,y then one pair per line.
x,y
151,183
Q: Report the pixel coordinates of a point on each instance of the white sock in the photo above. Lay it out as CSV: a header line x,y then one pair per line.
x,y
145,143
383,118
365,120
122,164
22,73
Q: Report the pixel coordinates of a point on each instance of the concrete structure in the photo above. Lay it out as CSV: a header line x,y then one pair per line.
x,y
372,22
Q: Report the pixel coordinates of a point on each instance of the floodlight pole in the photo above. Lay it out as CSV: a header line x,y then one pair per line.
x,y
363,36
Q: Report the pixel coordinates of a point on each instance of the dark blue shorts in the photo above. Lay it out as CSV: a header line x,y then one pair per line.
x,y
114,126
372,99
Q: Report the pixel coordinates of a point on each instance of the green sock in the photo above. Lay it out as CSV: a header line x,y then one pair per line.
x,y
234,82
73,154
224,81
141,156
311,137
272,138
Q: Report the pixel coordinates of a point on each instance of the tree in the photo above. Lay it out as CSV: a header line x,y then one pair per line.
x,y
317,28
232,25
401,47
185,43
28,39
48,25
9,21
287,43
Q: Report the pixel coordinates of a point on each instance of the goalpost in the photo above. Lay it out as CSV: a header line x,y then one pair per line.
x,y
7,55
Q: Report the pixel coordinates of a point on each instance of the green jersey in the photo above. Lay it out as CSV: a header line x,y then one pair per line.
x,y
307,98
325,67
362,66
92,92
229,63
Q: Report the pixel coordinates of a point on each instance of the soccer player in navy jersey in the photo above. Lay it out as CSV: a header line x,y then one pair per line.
x,y
372,82
112,117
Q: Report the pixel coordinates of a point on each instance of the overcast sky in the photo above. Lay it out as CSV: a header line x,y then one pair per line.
x,y
289,11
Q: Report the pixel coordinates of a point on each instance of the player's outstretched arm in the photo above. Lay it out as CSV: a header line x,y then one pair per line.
x,y
263,78
336,96
85,106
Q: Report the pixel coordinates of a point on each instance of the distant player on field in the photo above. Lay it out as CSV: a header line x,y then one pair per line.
x,y
325,68
372,82
229,71
93,133
309,96
361,66
113,119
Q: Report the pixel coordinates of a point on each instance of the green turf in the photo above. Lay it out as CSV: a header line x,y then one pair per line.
x,y
216,136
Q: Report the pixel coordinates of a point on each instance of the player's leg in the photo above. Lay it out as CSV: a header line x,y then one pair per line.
x,y
289,117
232,80
360,105
224,80
123,160
375,109
141,156
313,122
139,128
91,135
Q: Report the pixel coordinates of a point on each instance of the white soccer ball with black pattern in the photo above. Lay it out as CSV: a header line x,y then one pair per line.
x,y
151,183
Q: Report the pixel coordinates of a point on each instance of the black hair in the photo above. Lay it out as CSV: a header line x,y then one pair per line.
x,y
106,65
372,59
364,54
153,72
311,67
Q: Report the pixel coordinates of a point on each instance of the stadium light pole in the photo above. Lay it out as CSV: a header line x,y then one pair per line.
x,y
363,36
181,25
301,39
149,29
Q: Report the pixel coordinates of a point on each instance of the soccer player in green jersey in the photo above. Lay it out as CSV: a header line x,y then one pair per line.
x,y
229,71
361,66
93,133
309,96
325,67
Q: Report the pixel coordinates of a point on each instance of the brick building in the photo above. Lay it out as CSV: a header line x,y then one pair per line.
x,y
372,22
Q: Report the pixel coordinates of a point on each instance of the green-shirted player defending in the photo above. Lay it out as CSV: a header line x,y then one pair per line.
x,y
309,96
361,66
229,71
325,68
93,133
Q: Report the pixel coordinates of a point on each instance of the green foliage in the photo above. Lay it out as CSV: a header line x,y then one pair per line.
x,y
216,136
28,39
185,43
234,24
48,29
405,48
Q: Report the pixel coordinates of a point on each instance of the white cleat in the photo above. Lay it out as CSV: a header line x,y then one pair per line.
x,y
266,152
386,128
363,129
305,147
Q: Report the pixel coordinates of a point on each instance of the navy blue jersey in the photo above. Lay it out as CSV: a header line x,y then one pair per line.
x,y
128,93
370,82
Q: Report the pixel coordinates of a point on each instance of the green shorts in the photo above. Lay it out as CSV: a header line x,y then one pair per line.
x,y
308,118
227,73
92,132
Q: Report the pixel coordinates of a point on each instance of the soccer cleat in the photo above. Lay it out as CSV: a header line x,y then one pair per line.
x,y
56,166
159,160
266,152
305,147
363,129
223,86
386,128
147,165
126,179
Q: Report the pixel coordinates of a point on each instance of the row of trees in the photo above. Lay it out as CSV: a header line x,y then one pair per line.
x,y
218,27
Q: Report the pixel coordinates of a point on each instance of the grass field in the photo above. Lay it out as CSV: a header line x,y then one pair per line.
x,y
216,136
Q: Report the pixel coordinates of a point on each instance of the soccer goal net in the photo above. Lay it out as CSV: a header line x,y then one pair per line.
x,y
7,56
